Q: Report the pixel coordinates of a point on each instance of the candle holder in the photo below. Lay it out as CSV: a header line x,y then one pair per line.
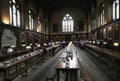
x,y
116,44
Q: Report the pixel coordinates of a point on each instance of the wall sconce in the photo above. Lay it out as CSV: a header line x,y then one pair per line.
x,y
26,27
110,28
5,20
38,30
105,22
116,44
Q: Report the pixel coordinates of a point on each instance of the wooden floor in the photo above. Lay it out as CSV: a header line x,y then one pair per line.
x,y
92,69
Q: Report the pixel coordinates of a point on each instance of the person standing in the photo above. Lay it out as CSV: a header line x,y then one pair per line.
x,y
53,51
44,53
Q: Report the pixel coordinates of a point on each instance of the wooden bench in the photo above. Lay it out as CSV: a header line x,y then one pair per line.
x,y
106,56
57,49
51,75
92,52
106,61
117,67
111,64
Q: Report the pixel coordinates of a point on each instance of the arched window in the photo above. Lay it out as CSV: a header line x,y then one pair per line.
x,y
67,23
102,16
14,13
30,20
116,7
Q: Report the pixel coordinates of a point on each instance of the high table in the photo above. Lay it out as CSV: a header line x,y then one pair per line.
x,y
71,66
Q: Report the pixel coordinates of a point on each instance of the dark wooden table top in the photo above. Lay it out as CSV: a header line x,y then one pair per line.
x,y
8,63
113,53
62,63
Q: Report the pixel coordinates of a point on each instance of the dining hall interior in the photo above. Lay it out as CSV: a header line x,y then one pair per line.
x,y
59,40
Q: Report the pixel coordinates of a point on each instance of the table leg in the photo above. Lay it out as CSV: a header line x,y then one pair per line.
x,y
75,75
58,77
71,76
66,76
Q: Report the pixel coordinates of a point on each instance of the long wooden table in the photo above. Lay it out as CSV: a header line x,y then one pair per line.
x,y
71,66
20,65
115,54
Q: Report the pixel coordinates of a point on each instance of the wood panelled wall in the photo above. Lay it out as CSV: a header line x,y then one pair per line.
x,y
23,36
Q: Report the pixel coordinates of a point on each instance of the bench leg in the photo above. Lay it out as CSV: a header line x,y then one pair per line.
x,y
118,73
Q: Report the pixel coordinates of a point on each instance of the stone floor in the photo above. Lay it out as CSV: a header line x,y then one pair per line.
x,y
92,69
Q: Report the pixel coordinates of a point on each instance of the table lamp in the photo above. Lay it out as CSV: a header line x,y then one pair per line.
x,y
116,44
9,50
